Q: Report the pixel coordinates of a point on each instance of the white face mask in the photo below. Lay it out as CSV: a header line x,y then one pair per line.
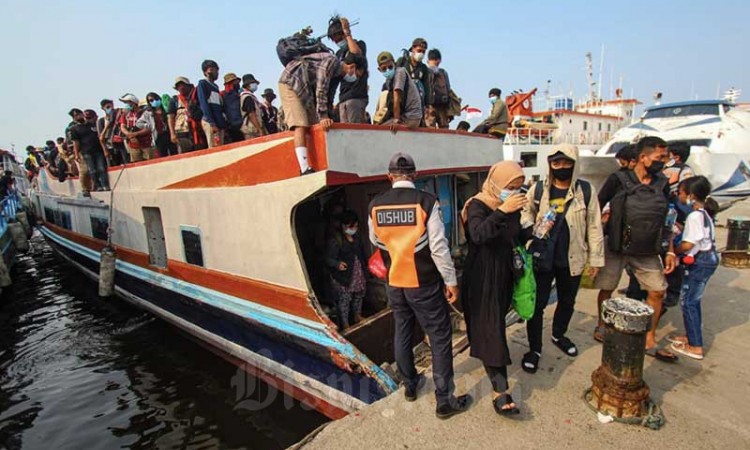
x,y
350,78
417,56
350,231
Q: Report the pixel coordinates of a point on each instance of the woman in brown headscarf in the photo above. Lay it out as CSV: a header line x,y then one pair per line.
x,y
492,220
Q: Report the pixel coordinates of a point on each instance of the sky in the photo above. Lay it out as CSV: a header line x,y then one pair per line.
x,y
63,54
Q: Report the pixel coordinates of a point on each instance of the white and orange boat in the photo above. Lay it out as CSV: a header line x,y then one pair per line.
x,y
224,244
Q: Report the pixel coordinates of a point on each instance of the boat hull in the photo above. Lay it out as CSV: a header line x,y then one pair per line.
x,y
303,369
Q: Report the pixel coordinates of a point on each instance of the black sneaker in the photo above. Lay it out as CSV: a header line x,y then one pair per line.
x,y
308,171
456,406
410,393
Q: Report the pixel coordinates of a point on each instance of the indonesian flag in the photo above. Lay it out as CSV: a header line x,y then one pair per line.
x,y
472,112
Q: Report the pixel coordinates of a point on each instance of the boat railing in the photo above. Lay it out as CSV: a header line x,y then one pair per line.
x,y
526,136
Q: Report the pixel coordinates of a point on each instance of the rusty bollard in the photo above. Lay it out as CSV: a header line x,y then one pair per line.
x,y
736,253
618,388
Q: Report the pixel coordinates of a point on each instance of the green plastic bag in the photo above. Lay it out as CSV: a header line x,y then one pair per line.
x,y
524,292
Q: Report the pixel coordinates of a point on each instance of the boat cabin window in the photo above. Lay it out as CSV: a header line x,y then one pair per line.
x,y
682,111
157,247
58,218
529,159
191,244
99,226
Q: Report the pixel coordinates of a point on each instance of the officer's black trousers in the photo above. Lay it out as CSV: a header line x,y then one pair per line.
x,y
428,306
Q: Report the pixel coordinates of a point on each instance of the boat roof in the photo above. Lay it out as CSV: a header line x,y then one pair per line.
x,y
689,103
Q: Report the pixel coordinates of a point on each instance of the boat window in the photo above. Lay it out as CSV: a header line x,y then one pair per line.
x,y
99,226
191,243
49,215
682,111
529,159
157,247
62,219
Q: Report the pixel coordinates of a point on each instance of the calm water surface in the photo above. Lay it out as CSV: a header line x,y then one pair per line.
x,y
80,372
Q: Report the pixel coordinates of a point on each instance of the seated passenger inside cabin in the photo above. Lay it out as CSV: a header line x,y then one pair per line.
x,y
346,260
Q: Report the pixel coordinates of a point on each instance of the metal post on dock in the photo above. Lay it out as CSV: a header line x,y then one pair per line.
x,y
736,253
618,389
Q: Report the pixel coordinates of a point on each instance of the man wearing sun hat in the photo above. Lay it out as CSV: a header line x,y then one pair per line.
x,y
232,110
184,117
269,112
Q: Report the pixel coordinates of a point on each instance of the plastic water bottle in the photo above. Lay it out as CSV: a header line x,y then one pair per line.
x,y
543,227
671,217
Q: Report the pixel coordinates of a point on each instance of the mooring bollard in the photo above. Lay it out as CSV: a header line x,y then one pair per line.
x,y
107,272
618,388
736,254
18,235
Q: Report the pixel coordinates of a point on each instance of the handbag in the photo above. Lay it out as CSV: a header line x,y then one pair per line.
x,y
376,265
524,290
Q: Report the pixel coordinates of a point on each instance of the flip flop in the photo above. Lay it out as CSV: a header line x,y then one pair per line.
x,y
680,348
655,353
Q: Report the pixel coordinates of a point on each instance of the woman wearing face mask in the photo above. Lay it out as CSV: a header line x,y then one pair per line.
x,y
492,221
160,127
700,260
567,234
345,258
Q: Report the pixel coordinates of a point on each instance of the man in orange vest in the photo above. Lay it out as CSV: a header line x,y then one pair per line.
x,y
405,224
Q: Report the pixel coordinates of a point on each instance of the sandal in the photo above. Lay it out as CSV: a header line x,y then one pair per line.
x,y
661,355
681,348
677,339
599,334
530,362
566,345
505,400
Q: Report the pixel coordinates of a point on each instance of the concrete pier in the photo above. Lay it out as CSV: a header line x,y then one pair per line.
x,y
705,402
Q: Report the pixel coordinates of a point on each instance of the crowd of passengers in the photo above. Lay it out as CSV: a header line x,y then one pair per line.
x,y
203,115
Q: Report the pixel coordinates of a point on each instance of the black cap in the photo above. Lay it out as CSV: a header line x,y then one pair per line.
x,y
74,111
557,156
268,92
401,163
249,78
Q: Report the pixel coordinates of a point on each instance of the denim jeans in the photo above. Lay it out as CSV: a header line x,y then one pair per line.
x,y
97,165
693,284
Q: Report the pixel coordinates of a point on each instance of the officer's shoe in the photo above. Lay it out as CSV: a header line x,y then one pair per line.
x,y
410,393
456,406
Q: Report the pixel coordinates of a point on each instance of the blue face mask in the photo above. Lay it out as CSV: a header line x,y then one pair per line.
x,y
108,111
493,99
505,193
350,78
388,74
156,103
343,44
128,107
690,202
253,87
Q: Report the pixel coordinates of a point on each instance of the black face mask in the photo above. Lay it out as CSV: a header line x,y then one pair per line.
x,y
563,174
655,167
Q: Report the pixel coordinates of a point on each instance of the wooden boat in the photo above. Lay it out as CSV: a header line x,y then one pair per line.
x,y
223,244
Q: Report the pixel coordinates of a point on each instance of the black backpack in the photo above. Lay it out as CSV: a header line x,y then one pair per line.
x,y
638,216
193,106
297,45
440,93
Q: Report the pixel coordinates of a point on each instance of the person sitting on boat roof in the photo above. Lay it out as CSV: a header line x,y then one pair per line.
x,y
252,111
497,123
402,104
406,225
302,76
184,117
345,258
213,121
232,110
270,113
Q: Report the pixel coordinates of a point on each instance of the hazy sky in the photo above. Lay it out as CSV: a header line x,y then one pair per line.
x,y
61,54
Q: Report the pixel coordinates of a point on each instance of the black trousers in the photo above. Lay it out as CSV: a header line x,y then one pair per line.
x,y
427,306
498,377
567,290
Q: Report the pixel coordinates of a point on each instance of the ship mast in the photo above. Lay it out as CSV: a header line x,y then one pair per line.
x,y
590,76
